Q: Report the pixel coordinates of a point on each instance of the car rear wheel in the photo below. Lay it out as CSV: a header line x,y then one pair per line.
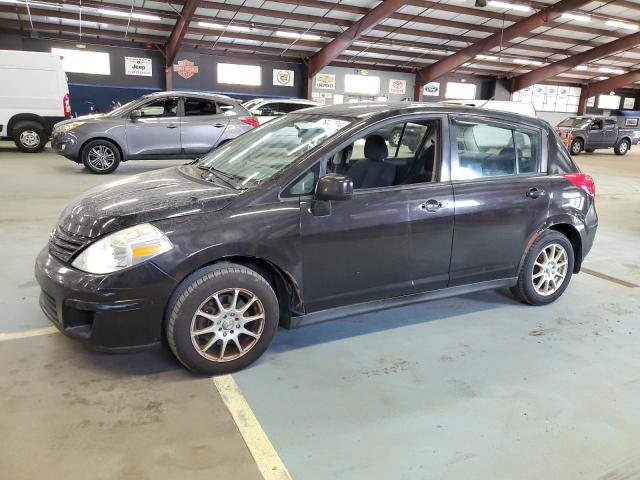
x,y
29,137
221,319
546,270
100,156
576,146
622,147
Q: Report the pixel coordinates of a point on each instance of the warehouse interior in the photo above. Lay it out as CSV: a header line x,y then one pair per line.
x,y
476,385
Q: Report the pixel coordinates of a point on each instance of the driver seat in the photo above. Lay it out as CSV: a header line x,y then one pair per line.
x,y
373,171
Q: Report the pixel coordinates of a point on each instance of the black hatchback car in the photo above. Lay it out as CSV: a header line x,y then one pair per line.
x,y
315,216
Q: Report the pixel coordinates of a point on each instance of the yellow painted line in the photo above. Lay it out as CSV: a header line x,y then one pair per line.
x,y
28,333
265,456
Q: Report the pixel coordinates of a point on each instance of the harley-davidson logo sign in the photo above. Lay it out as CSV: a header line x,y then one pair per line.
x,y
186,68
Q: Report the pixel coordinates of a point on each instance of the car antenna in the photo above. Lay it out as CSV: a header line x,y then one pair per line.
x,y
482,106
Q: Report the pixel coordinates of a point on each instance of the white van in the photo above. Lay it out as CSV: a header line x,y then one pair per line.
x,y
33,96
501,105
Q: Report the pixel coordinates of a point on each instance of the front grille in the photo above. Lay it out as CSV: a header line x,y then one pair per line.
x,y
64,245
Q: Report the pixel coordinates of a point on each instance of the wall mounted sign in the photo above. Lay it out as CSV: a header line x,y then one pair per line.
x,y
185,68
629,103
283,78
138,66
432,89
326,81
630,122
398,86
591,102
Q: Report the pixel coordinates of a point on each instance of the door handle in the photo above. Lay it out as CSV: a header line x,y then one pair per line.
x,y
535,193
431,205
172,125
218,125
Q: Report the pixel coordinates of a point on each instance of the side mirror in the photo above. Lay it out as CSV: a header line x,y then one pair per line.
x,y
334,186
135,115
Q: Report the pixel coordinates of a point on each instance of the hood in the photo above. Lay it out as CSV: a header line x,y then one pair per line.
x,y
81,118
167,193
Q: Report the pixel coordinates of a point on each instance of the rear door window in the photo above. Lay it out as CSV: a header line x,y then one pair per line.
x,y
487,150
199,107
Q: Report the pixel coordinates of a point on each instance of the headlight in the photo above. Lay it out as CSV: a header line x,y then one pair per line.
x,y
123,249
67,127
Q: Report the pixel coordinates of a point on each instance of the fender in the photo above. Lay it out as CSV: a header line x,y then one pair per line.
x,y
572,221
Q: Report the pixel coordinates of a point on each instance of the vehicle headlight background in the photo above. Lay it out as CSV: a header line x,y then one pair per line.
x,y
123,249
68,127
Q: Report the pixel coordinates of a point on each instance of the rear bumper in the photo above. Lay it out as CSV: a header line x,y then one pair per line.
x,y
122,311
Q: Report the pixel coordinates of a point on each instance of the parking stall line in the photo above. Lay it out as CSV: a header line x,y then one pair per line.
x,y
267,459
28,333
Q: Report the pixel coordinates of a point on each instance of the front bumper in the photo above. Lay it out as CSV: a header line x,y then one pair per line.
x,y
66,144
121,311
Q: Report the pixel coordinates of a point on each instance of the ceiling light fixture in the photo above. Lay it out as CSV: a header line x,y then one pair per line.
x,y
297,36
524,61
219,26
492,58
509,6
575,16
118,13
582,67
617,71
623,25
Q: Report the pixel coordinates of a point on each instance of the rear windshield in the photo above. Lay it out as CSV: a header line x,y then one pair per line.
x,y
574,122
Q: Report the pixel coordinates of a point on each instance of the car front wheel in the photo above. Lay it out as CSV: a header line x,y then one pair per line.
x,y
546,270
576,146
100,156
221,319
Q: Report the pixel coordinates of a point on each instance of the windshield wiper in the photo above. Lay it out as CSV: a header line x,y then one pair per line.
x,y
224,176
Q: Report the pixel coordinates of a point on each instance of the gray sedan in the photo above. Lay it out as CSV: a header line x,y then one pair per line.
x,y
160,126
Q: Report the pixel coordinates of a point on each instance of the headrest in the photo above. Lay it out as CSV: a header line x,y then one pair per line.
x,y
375,148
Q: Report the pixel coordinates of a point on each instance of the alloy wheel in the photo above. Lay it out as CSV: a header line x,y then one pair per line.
x,y
29,138
227,324
395,137
101,157
550,269
576,147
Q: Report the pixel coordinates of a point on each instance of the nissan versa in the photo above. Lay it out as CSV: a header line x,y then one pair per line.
x,y
315,216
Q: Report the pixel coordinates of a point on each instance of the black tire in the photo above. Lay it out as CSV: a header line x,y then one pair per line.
x,y
195,294
622,147
29,137
525,290
576,146
589,150
100,165
394,138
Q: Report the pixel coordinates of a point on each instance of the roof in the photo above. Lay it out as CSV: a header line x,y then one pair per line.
x,y
389,109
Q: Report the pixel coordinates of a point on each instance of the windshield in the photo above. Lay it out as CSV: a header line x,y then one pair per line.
x,y
250,103
575,122
261,153
117,111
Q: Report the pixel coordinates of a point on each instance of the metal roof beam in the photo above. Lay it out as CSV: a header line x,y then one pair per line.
x,y
518,29
540,74
344,40
179,30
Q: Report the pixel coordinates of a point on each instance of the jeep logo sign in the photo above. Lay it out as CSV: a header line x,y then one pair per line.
x,y
138,66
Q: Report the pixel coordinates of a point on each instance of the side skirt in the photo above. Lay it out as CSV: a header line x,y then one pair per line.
x,y
376,305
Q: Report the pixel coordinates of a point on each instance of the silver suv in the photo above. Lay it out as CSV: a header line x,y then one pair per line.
x,y
157,126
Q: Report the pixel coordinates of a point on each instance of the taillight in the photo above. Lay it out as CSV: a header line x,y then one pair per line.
x,y
583,181
253,122
66,105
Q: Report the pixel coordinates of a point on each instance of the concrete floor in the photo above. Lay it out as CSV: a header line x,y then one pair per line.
x,y
472,387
